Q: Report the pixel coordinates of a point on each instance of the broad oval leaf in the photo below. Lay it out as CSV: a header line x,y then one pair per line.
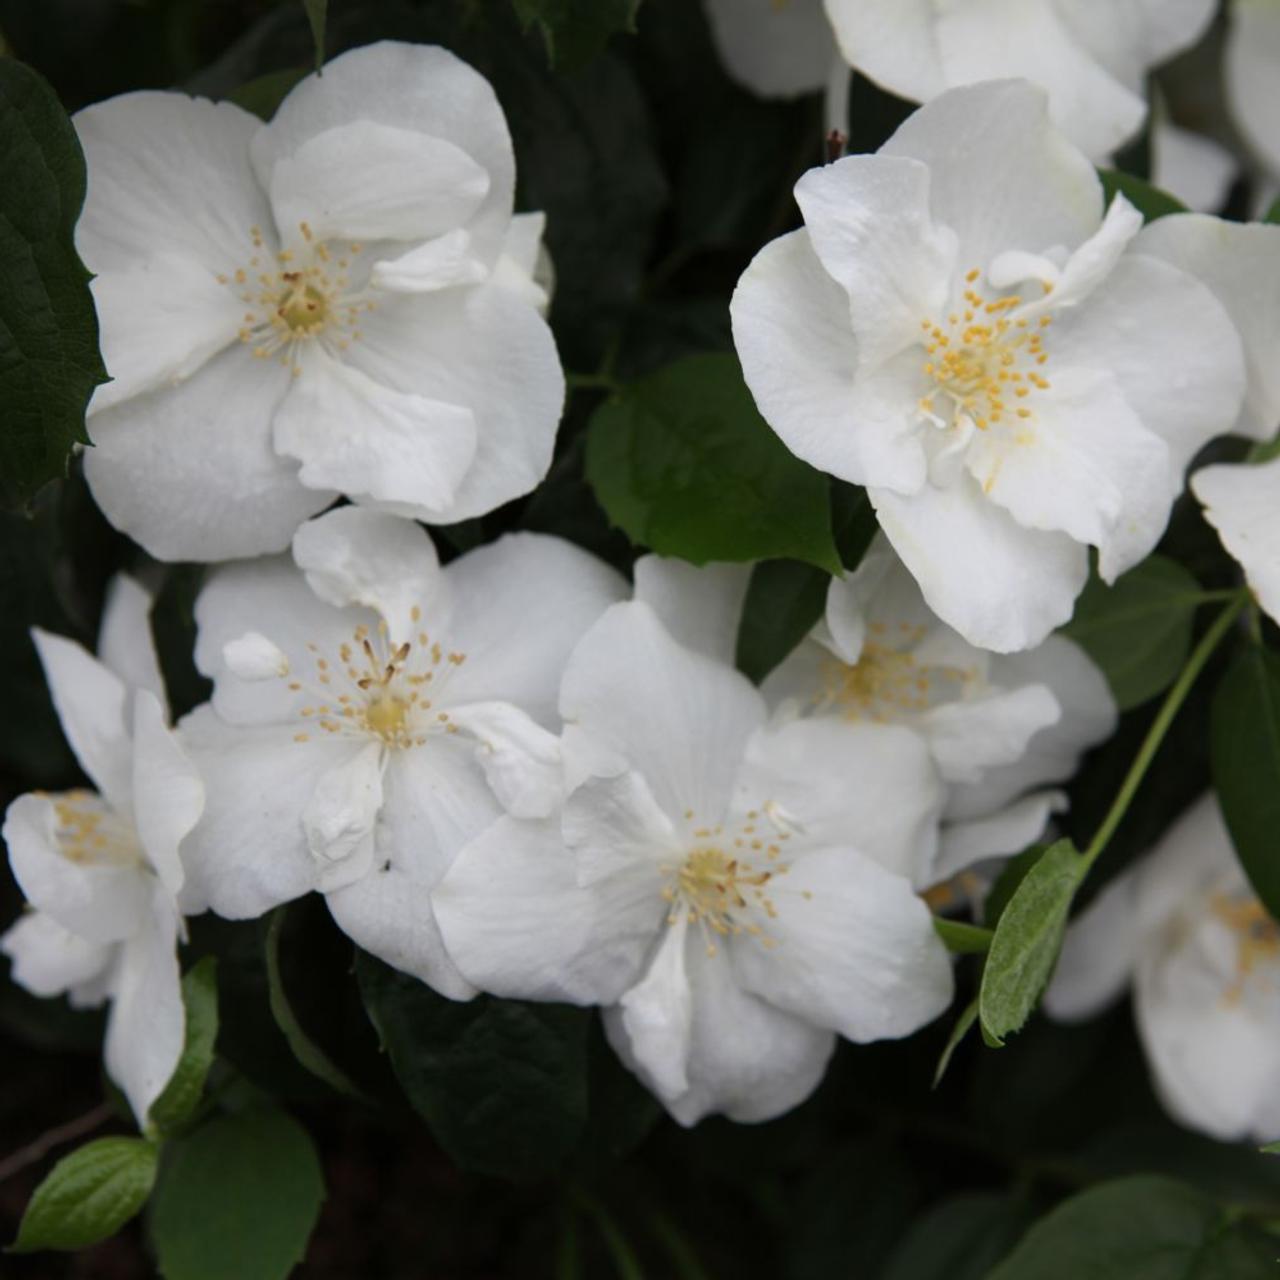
x,y
49,359
501,1083
239,1197
1143,1228
961,1239
89,1195
1027,940
684,464
1139,630
1149,200
173,1109
1245,755
784,601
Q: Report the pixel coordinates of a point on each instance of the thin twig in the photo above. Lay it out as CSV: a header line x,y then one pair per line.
x,y
55,1137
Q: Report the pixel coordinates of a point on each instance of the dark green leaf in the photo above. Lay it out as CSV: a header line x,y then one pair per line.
x,y
1143,1228
1007,882
1245,745
783,603
171,1111
683,462
853,519
317,13
264,94
961,938
960,1239
304,1047
963,1025
49,361
503,1084
237,1197
1149,201
1027,940
1139,630
576,30
89,1195
1273,214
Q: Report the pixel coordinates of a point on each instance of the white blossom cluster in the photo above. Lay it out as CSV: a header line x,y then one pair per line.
x,y
518,773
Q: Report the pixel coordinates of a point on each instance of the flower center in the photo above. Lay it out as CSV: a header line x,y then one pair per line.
x,y
91,834
984,361
299,296
368,689
1257,936
723,885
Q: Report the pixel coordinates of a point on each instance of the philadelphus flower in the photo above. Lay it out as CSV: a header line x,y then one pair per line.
x,y
1253,79
1195,169
998,727
775,48
101,870
1204,959
1091,58
337,301
372,713
1241,264
736,895
1013,378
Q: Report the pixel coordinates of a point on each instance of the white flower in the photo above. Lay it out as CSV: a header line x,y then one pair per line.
x,y
958,328
1204,959
1194,168
1253,79
1091,58
1243,504
737,894
337,301
998,727
372,713
102,869
775,48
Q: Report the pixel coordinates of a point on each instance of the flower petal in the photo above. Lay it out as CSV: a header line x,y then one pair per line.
x,y
612,824
869,223
355,556
520,604
439,264
1253,90
379,445
998,833
675,716
1197,170
525,267
1241,265
90,702
47,959
339,817
125,643
776,51
189,472
518,924
368,181
168,795
856,949
999,585
1243,504
657,1015
700,605
100,902
483,350
154,162
968,737
145,1029
1098,956
520,759
420,88
997,137
794,335
892,43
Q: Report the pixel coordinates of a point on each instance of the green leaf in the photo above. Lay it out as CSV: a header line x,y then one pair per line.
x,y
1139,630
684,464
305,1049
576,30
237,1197
89,1195
1144,1228
1273,214
317,15
172,1110
963,1024
960,1239
1245,754
501,1083
1149,201
264,94
1027,939
783,603
49,360
961,938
